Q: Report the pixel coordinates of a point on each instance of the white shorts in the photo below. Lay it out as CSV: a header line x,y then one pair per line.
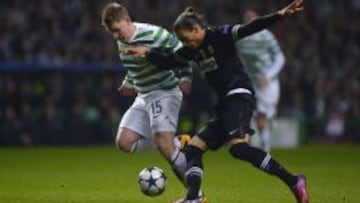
x,y
268,98
153,112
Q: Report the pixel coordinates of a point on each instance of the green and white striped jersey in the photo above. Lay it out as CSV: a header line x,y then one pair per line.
x,y
141,73
261,54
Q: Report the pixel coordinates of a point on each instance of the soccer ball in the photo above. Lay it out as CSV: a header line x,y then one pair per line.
x,y
152,181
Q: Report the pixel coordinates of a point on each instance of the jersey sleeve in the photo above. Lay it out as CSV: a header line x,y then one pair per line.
x,y
128,81
241,31
277,56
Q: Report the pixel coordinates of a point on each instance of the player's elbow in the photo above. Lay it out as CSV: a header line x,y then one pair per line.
x,y
280,58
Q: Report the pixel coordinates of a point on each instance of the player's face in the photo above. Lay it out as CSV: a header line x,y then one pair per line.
x,y
191,38
121,29
250,15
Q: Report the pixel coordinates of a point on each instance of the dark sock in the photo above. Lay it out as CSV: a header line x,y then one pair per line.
x,y
276,169
263,161
194,171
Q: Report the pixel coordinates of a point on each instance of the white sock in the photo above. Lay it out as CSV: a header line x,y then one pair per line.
x,y
178,161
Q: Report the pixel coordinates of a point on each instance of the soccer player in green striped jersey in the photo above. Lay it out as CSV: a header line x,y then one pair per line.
x,y
154,113
263,59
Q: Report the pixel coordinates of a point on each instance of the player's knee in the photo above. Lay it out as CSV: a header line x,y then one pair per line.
x,y
123,142
238,140
122,146
261,121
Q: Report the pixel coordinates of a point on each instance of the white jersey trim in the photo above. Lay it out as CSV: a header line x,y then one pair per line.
x,y
238,91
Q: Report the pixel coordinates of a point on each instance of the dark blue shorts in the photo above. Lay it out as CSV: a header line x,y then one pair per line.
x,y
232,120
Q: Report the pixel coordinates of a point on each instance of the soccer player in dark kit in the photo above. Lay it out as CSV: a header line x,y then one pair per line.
x,y
213,49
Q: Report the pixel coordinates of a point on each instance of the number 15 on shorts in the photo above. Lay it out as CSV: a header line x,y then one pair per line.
x,y
156,108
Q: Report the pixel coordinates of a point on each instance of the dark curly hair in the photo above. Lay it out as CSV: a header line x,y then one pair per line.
x,y
188,19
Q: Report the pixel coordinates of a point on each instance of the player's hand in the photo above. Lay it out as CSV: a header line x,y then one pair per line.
x,y
185,85
294,7
138,51
125,90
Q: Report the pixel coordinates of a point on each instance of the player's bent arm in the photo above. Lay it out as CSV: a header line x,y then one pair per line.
x,y
185,72
278,64
168,43
166,60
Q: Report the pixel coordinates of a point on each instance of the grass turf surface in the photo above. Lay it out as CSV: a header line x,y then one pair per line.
x,y
103,174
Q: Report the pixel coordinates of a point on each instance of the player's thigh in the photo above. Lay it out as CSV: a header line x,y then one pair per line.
x,y
164,111
212,135
134,122
235,116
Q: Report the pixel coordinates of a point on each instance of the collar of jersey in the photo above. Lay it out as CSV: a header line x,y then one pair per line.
x,y
133,36
135,33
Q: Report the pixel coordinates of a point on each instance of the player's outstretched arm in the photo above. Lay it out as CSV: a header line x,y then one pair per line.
x,y
295,7
241,31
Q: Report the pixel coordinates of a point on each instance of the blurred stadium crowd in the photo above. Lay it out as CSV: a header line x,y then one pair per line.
x,y
44,99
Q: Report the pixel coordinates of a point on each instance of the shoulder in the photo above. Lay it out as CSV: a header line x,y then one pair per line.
x,y
149,27
224,29
145,26
219,32
149,32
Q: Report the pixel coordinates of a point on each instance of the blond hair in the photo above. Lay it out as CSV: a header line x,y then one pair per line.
x,y
113,12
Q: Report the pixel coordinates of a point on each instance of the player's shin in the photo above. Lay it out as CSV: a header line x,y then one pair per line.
x,y
263,161
178,163
265,138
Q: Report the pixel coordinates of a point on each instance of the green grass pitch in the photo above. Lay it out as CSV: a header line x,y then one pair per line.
x,y
103,174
